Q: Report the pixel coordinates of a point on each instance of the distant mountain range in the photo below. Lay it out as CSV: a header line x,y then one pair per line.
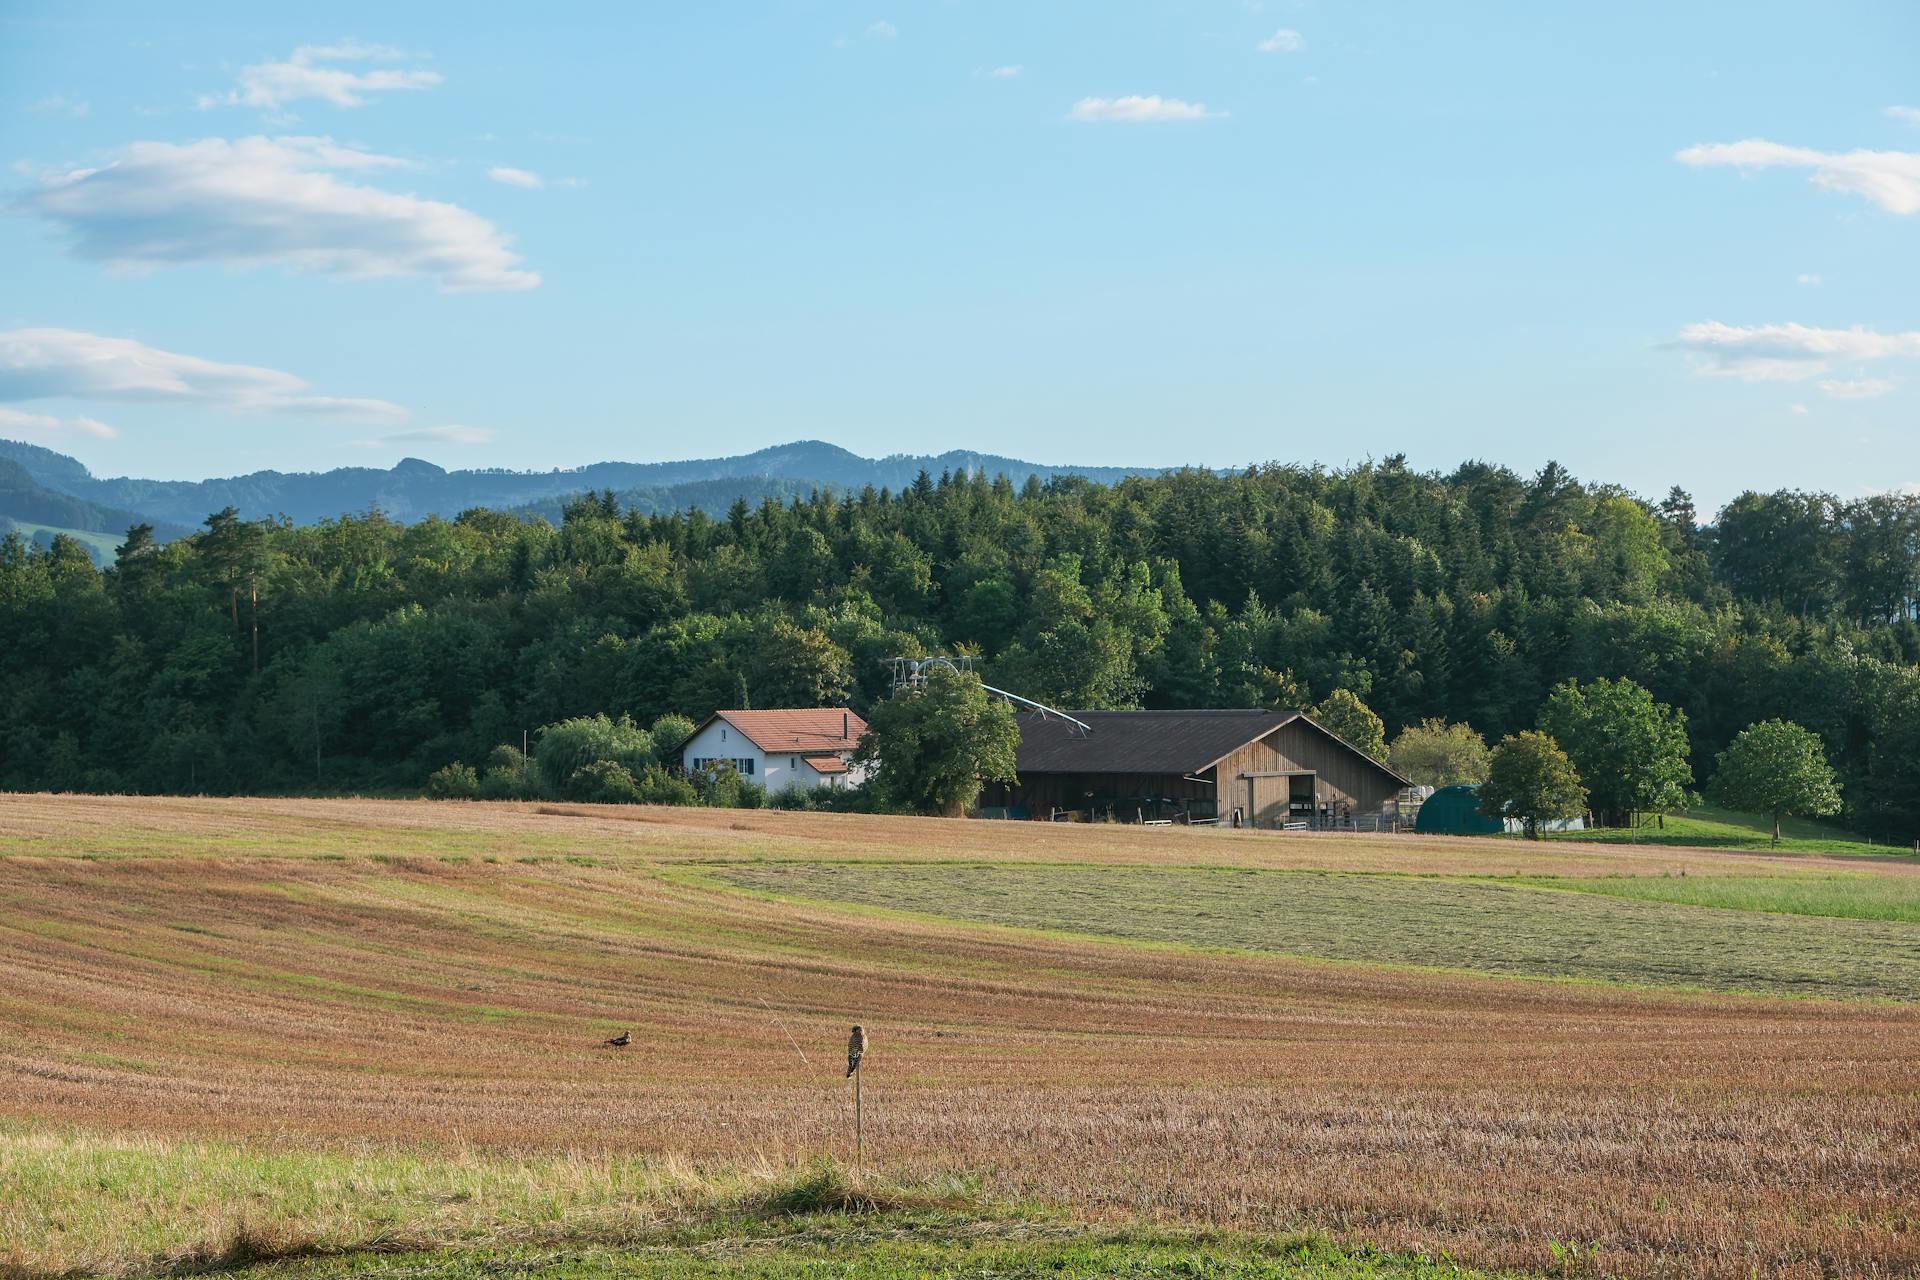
x,y
42,481
38,510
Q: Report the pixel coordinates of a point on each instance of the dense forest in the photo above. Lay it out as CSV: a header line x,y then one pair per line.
x,y
359,653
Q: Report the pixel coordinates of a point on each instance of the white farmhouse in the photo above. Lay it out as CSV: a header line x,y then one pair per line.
x,y
805,747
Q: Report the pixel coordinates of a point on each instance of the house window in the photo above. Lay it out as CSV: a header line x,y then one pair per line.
x,y
744,767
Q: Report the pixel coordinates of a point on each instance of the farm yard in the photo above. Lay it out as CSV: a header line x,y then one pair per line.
x,y
365,1037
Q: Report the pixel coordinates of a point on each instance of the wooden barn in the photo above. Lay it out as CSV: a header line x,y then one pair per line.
x,y
1248,768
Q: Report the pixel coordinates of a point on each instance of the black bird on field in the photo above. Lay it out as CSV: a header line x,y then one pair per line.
x,y
620,1041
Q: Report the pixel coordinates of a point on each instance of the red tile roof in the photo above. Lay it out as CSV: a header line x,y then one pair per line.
x,y
803,730
827,764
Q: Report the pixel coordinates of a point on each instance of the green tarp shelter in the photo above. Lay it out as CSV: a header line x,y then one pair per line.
x,y
1455,811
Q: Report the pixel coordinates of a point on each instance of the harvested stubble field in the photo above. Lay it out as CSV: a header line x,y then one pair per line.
x,y
237,983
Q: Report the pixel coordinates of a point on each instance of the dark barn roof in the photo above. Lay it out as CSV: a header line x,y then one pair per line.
x,y
1138,741
1177,742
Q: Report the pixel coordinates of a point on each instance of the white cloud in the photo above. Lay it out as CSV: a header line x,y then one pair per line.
x,y
1808,278
306,74
1856,388
431,435
1136,109
39,364
1891,179
1906,115
61,104
258,199
18,424
1285,40
516,177
1787,352
1007,72
1799,410
883,30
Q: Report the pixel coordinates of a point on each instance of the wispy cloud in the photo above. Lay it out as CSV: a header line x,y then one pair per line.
x,y
21,425
883,30
41,364
60,104
270,200
1891,179
1007,72
1856,388
1788,352
1285,40
513,177
1138,109
431,435
309,73
1809,279
1905,115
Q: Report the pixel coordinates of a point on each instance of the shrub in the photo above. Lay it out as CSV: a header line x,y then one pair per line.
x,y
456,781
508,776
569,746
661,787
506,784
791,796
604,782
722,787
669,734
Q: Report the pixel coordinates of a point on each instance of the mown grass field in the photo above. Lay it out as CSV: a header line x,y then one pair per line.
x,y
1845,895
364,1037
1626,930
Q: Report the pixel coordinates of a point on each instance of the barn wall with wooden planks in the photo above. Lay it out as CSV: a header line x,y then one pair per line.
x,y
1342,776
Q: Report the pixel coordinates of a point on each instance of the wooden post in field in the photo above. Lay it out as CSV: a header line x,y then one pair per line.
x,y
857,1049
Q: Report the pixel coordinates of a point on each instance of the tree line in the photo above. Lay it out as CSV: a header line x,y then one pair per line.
x,y
361,654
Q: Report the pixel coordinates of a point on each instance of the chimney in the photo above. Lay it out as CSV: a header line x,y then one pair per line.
x,y
846,724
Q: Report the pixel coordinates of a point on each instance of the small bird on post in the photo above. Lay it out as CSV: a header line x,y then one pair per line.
x,y
856,1048
620,1041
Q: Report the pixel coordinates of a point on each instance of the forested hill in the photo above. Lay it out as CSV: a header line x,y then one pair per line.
x,y
24,498
413,489
362,653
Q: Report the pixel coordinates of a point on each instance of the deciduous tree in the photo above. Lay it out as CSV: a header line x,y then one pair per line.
x,y
1530,778
1354,720
1630,750
1434,753
1778,768
934,746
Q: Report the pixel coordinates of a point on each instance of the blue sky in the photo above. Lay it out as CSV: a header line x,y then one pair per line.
x,y
1661,243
